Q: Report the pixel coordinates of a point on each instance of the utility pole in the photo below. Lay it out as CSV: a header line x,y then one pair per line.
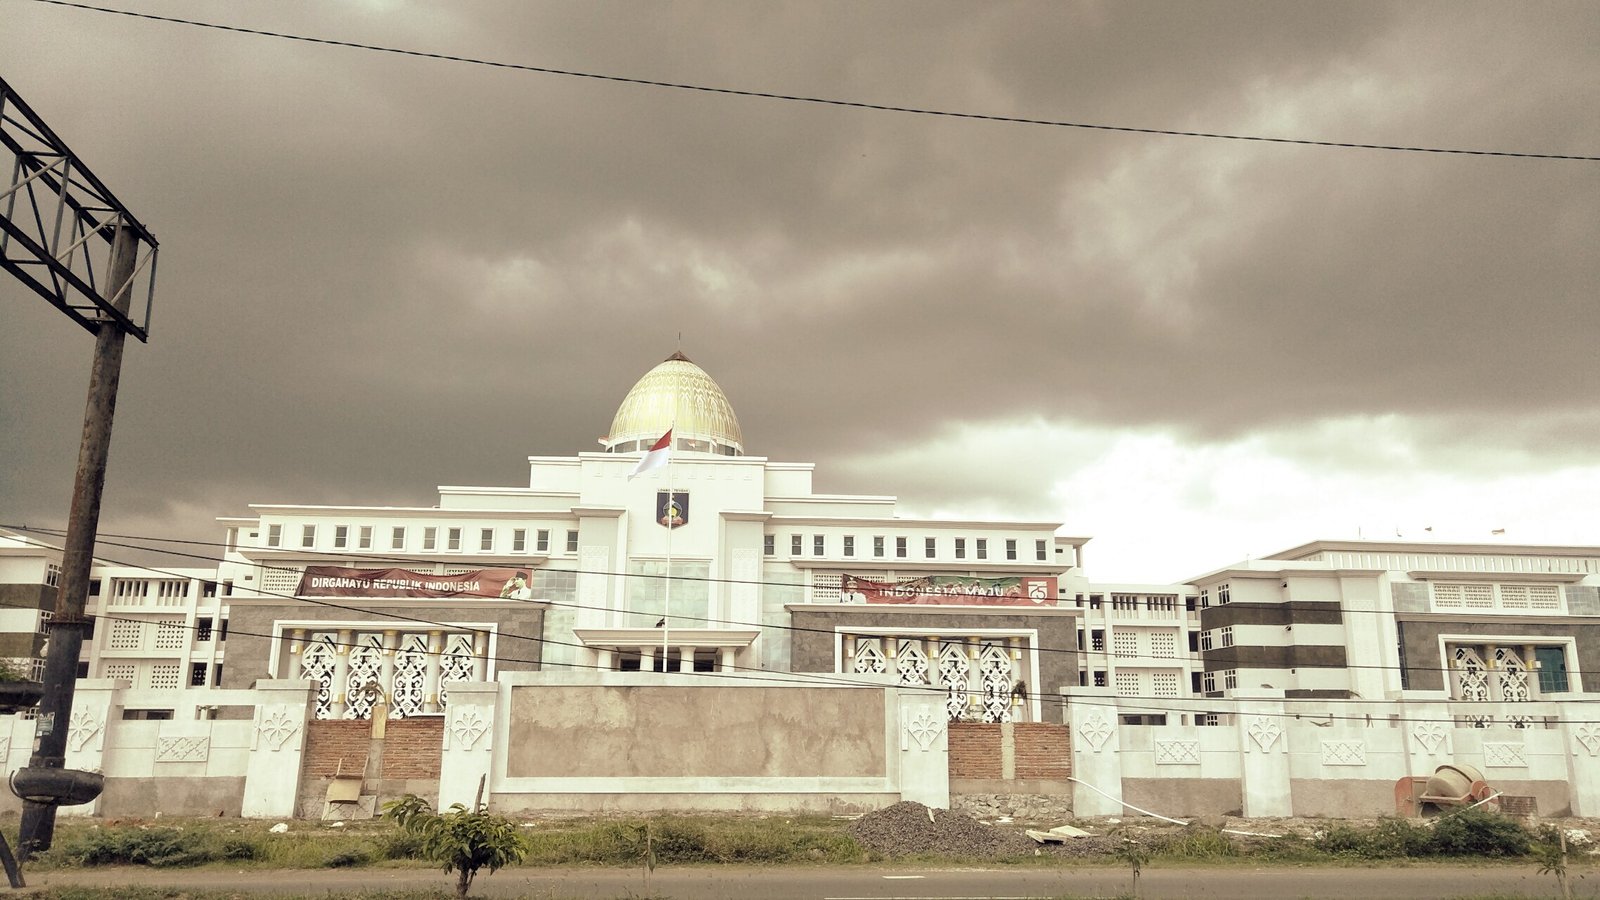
x,y
68,626
58,222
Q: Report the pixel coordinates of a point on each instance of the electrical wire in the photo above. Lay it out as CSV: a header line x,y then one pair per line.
x,y
797,98
1159,705
1212,656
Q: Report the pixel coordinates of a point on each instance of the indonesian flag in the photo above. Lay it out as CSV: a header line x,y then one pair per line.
x,y
659,453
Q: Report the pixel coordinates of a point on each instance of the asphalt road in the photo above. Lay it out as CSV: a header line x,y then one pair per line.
x,y
866,883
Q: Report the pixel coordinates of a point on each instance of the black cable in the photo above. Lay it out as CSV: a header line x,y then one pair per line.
x,y
795,98
1216,656
830,678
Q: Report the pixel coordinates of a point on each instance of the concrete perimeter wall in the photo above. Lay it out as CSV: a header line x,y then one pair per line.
x,y
602,742
1275,757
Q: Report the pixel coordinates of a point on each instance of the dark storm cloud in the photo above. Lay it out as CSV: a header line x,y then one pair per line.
x,y
381,273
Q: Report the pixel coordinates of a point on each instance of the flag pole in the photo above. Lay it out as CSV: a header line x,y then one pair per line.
x,y
666,597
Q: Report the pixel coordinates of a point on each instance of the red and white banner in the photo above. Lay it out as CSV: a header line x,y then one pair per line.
x,y
951,590
334,581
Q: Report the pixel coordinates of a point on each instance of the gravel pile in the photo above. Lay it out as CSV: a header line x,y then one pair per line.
x,y
907,828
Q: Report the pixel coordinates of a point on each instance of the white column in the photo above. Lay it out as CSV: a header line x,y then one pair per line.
x,y
924,747
1582,743
272,775
1263,758
95,711
391,641
469,739
430,681
685,659
341,674
1096,753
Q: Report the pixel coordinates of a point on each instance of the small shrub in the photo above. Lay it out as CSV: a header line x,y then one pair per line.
x,y
1479,832
1199,842
139,847
460,840
345,859
242,849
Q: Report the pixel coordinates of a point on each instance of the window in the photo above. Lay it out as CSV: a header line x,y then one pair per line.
x,y
1222,594
1552,669
817,544
930,546
430,538
274,535
202,630
849,545
197,674
1100,679
519,540
900,547
1194,642
486,539
208,589
1039,551
1125,643
1011,548
1205,640
961,548
222,630
572,540
794,544
877,545
1230,679
397,538
541,540
769,544
1097,640
227,588
983,548
1208,682
1163,644
365,541
1205,598
1194,683
1225,635
308,536
216,675
1190,603
452,539
341,537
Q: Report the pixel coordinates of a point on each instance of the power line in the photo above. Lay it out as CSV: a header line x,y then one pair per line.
x,y
762,675
1089,654
823,101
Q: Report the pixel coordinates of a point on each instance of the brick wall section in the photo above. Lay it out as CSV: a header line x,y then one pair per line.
x,y
1043,750
974,750
412,748
330,741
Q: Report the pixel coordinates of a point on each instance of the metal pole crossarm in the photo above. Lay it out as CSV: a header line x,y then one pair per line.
x,y
61,233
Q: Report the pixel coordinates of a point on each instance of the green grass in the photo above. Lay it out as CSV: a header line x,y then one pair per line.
x,y
713,840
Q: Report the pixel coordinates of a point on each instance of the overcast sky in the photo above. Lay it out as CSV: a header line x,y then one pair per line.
x,y
380,274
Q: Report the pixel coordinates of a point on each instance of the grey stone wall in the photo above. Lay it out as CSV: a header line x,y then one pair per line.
x,y
1425,667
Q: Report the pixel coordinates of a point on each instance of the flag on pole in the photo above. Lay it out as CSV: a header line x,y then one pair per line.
x,y
656,457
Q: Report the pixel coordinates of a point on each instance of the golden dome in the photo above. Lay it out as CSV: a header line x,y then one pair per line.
x,y
676,391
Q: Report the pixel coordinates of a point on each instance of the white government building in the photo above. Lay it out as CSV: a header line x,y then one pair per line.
x,y
730,563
